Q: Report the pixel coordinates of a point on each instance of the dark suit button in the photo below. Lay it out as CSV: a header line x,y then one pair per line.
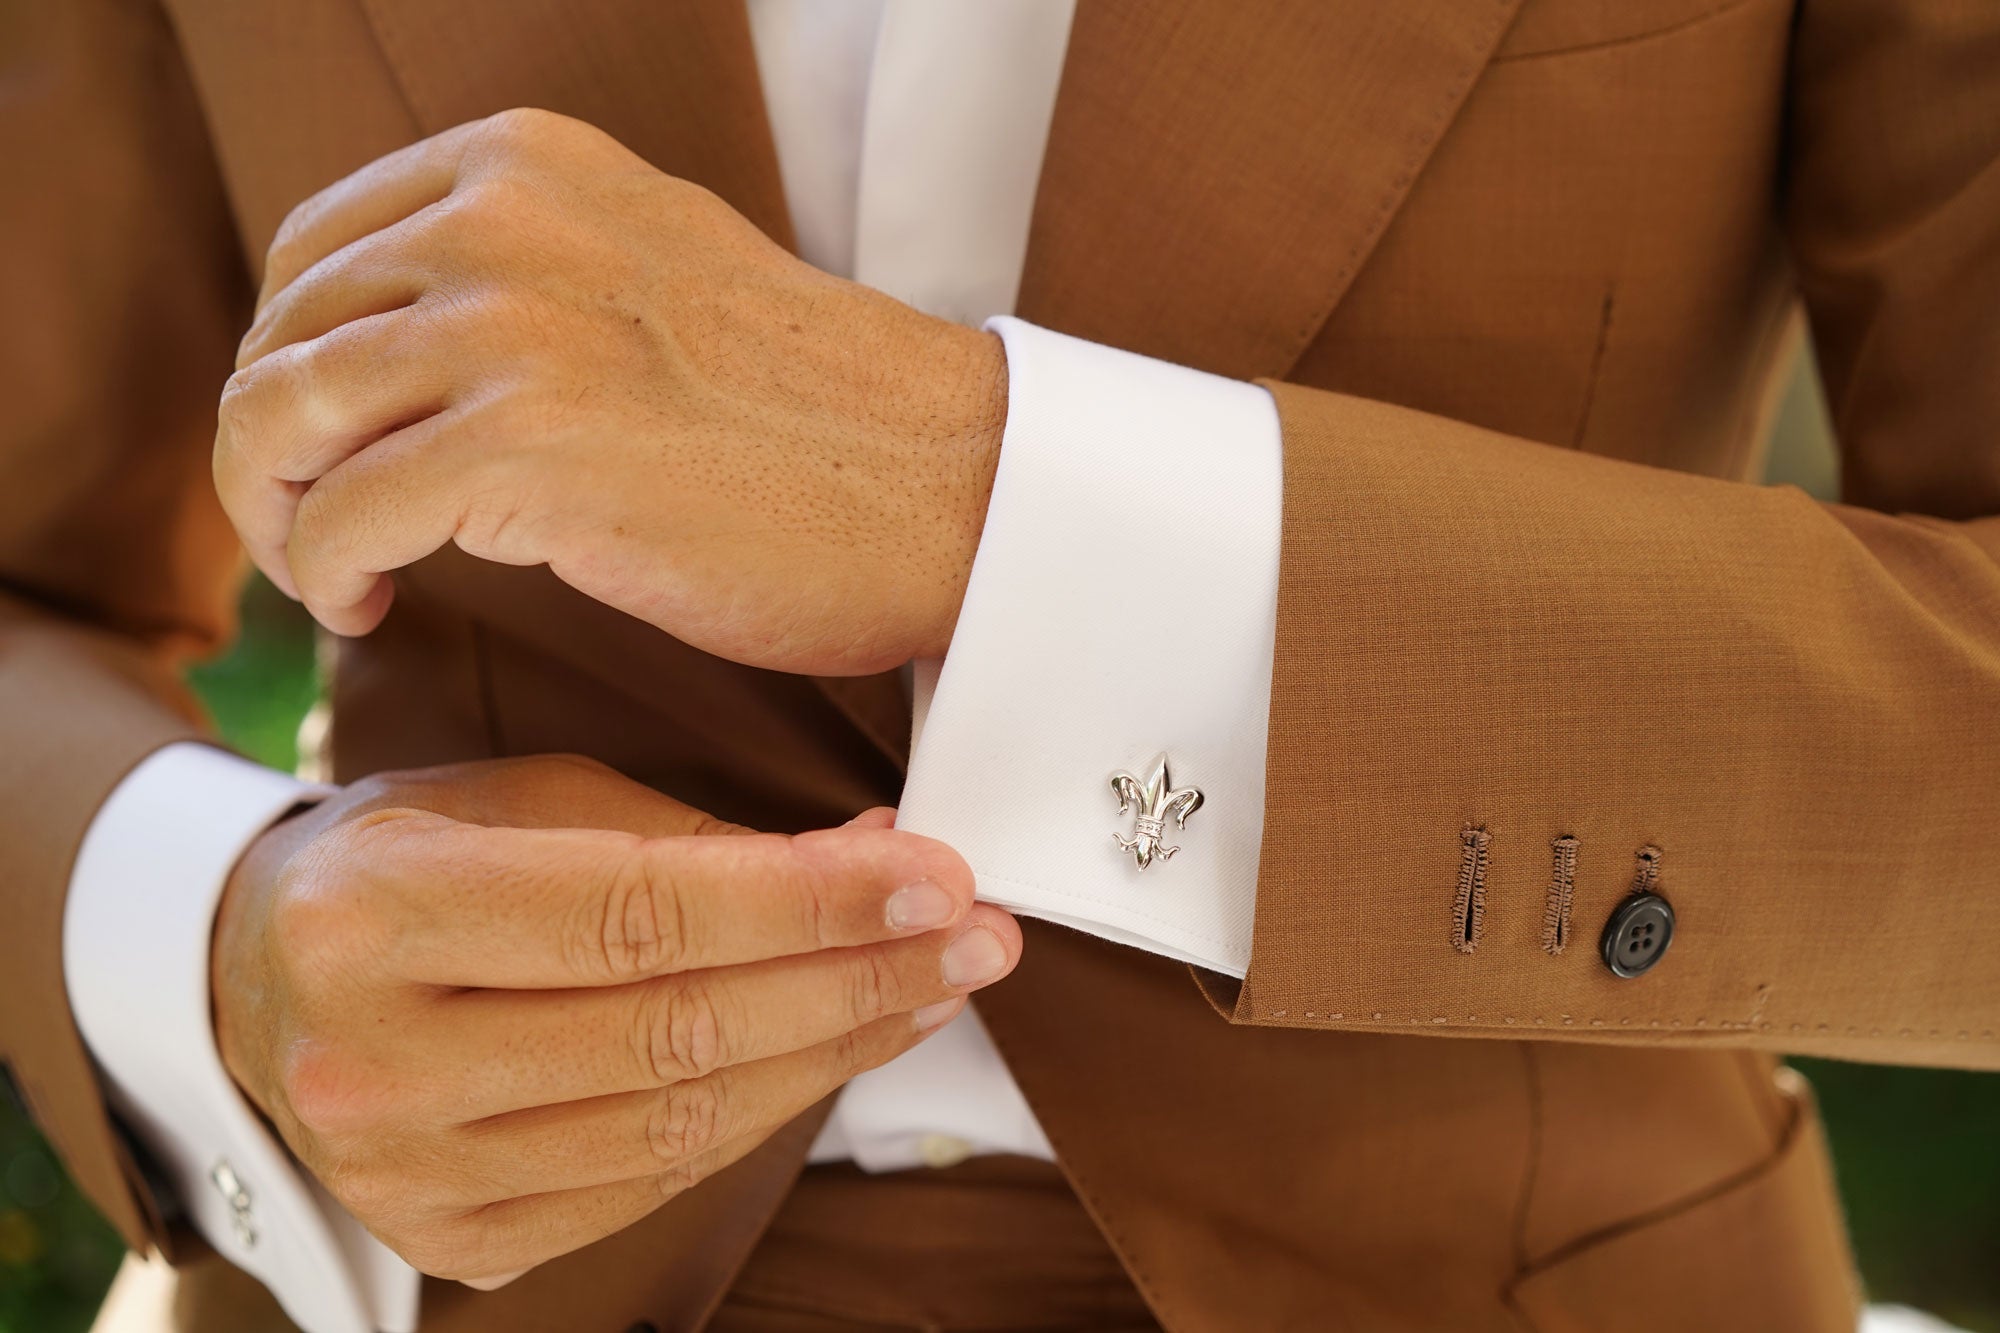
x,y
1637,935
643,1327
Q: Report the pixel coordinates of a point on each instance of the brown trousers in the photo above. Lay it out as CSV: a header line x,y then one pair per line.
x,y
994,1243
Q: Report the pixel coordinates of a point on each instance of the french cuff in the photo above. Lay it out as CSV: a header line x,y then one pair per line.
x,y
136,931
1122,607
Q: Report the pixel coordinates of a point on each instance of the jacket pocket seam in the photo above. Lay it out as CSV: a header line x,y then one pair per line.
x,y
1668,29
1744,1178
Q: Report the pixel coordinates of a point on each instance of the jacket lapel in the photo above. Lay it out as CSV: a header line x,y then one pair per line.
x,y
673,80
1214,181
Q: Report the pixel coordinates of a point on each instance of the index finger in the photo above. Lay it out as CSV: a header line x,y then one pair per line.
x,y
387,190
540,908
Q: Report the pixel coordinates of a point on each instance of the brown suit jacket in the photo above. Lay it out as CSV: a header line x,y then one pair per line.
x,y
1525,268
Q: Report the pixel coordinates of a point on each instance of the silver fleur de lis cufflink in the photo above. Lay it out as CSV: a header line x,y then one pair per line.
x,y
1156,800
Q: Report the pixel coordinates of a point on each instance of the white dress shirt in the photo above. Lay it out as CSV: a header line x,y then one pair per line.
x,y
1122,604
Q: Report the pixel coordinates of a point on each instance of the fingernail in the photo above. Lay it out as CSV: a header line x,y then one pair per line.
x,y
920,906
936,1015
976,956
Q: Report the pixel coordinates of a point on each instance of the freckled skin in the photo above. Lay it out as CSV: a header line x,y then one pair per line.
x,y
521,338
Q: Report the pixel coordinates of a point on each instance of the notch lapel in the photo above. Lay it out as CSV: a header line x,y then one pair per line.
x,y
1215,177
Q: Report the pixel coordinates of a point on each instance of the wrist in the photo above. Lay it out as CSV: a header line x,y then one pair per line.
x,y
238,959
974,424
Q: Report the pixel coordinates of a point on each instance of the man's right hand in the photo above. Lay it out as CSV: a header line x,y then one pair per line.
x,y
504,1009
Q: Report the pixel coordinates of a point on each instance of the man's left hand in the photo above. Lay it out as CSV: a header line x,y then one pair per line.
x,y
519,337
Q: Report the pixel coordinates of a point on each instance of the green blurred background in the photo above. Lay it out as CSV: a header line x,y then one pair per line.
x,y
1917,1150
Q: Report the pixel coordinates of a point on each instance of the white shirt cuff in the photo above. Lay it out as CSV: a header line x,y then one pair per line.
x,y
136,934
1122,605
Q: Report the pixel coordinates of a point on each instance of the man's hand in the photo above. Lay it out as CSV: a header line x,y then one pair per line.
x,y
519,337
496,1032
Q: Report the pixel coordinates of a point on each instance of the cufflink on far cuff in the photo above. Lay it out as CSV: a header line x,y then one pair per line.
x,y
1155,799
237,1195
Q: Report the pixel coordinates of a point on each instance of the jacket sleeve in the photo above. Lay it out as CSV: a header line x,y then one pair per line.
x,y
1513,683
122,289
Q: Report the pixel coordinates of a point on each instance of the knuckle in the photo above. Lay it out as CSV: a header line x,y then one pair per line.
x,y
577,773
317,928
332,1096
379,1194
440,1249
579,763
317,533
324,921
378,834
697,208
816,920
525,130
873,986
864,1048
299,929
496,199
371,794
241,407
640,927
252,397
681,1178
519,126
490,522
568,774
807,888
706,825
235,411
432,1234
283,252
686,1120
682,1035
853,1052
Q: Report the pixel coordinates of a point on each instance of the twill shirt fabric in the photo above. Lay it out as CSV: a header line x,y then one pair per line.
x,y
1518,276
